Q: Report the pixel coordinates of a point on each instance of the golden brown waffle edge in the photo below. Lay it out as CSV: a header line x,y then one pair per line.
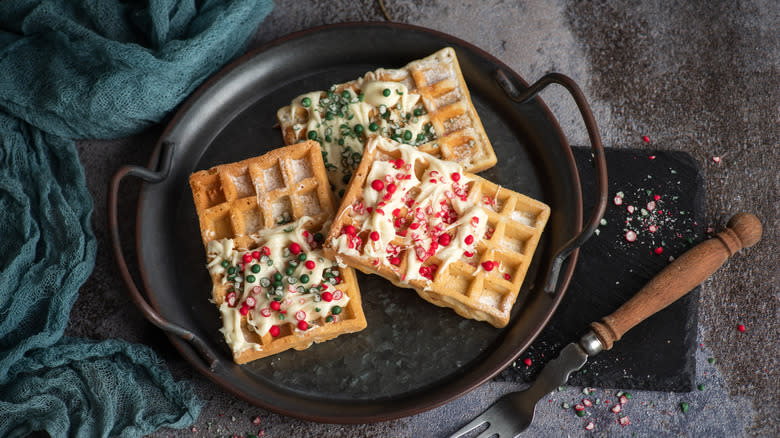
x,y
256,195
513,227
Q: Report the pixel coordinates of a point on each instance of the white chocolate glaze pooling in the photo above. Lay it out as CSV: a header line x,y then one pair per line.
x,y
343,121
249,276
444,217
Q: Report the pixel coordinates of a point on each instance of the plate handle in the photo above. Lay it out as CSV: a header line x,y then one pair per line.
x,y
598,158
149,176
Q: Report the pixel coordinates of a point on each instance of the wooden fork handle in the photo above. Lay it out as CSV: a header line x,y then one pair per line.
x,y
679,278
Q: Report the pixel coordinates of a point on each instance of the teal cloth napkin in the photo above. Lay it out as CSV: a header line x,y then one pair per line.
x,y
77,69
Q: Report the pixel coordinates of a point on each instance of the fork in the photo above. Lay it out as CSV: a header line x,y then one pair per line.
x,y
513,413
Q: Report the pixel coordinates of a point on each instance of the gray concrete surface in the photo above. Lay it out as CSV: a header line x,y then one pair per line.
x,y
701,77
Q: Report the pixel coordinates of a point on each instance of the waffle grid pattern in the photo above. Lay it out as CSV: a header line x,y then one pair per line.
x,y
515,225
460,135
237,200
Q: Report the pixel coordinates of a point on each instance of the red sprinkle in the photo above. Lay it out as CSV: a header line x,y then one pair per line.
x,y
741,328
391,188
455,176
469,239
247,258
374,236
399,163
275,305
618,200
295,248
310,264
244,310
303,325
507,277
527,361
348,230
646,139
489,265
658,251
444,239
377,184
256,255
716,159
630,236
657,197
266,251
327,296
395,261
652,157
274,330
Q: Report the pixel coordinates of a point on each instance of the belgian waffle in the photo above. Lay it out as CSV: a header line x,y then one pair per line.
x,y
425,103
262,222
457,239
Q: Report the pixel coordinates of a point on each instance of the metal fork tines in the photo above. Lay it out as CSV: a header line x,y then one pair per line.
x,y
513,413
507,417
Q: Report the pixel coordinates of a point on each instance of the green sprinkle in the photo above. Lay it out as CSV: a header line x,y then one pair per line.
x,y
280,316
317,309
580,413
417,112
628,395
700,387
277,277
386,92
373,127
335,310
358,129
255,268
269,262
306,102
361,97
231,270
407,135
345,94
684,407
329,319
250,278
225,264
302,257
304,278
277,284
711,360
312,135
290,270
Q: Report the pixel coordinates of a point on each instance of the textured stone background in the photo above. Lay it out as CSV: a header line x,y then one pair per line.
x,y
701,77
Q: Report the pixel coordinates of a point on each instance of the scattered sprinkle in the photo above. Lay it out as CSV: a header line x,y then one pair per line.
x,y
527,361
711,360
716,159
630,236
700,387
741,328
590,426
646,139
684,407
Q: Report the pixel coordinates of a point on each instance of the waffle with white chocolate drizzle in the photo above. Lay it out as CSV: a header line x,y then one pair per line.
x,y
457,239
425,104
263,221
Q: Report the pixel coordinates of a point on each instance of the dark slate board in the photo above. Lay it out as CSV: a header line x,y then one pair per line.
x,y
658,354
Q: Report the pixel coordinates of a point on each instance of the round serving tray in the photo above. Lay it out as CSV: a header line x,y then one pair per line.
x,y
413,356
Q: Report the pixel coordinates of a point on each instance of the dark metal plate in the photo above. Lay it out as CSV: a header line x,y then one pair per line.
x,y
413,356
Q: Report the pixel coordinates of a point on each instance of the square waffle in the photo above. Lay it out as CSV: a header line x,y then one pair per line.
x,y
457,239
262,221
425,104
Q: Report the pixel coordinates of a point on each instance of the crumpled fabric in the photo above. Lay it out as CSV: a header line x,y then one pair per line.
x,y
78,69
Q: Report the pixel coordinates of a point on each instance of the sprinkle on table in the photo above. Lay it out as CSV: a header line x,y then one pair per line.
x,y
684,407
741,328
